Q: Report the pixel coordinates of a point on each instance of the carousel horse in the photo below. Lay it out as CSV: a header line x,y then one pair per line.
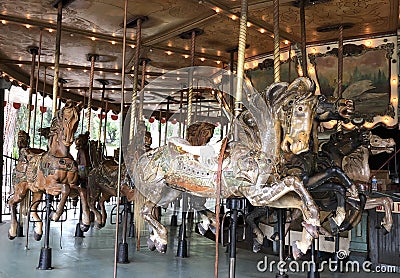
x,y
357,168
245,169
53,172
331,180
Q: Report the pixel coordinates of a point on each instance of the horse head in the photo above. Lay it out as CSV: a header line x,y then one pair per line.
x,y
379,145
65,123
82,141
200,133
23,139
295,108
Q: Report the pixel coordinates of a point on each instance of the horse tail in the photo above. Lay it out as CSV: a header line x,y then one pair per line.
x,y
139,201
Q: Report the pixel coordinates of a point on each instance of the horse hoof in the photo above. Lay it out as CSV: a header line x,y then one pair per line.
x,y
162,248
275,236
10,236
297,254
202,231
84,228
151,244
334,226
37,236
213,229
256,246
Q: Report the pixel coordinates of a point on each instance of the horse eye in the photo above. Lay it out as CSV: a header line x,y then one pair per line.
x,y
290,103
300,108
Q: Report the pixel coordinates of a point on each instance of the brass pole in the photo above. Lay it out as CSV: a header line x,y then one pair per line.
x,y
135,79
241,56
37,87
92,58
340,62
105,127
34,52
190,91
277,62
339,126
101,113
57,57
141,94
120,139
303,39
43,95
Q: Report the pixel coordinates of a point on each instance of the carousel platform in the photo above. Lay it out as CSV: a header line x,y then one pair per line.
x,y
93,256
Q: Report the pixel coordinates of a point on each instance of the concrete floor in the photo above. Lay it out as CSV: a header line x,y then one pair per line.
x,y
93,256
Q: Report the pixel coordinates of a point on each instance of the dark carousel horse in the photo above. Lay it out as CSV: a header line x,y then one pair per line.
x,y
331,180
245,172
351,151
53,172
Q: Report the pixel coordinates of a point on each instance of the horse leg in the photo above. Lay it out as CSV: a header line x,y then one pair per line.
x,y
85,224
65,189
38,230
20,191
259,235
104,197
272,196
158,238
333,172
387,203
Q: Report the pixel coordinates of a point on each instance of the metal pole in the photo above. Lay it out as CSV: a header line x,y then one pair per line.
x,y
57,57
3,85
141,94
120,138
303,39
34,52
105,126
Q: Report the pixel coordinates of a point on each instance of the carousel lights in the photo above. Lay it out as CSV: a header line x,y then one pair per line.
x,y
93,38
286,42
217,9
202,59
233,17
262,30
113,42
248,24
394,81
186,56
3,22
169,53
28,26
368,43
50,30
133,46
218,62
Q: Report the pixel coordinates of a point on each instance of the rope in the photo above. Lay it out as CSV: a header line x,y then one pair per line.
x,y
218,207
277,62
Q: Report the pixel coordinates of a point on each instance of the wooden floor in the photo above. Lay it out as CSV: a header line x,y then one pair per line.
x,y
93,256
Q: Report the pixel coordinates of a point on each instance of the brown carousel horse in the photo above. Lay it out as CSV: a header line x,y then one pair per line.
x,y
53,172
245,170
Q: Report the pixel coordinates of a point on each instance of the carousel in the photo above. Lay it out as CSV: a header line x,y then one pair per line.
x,y
267,130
